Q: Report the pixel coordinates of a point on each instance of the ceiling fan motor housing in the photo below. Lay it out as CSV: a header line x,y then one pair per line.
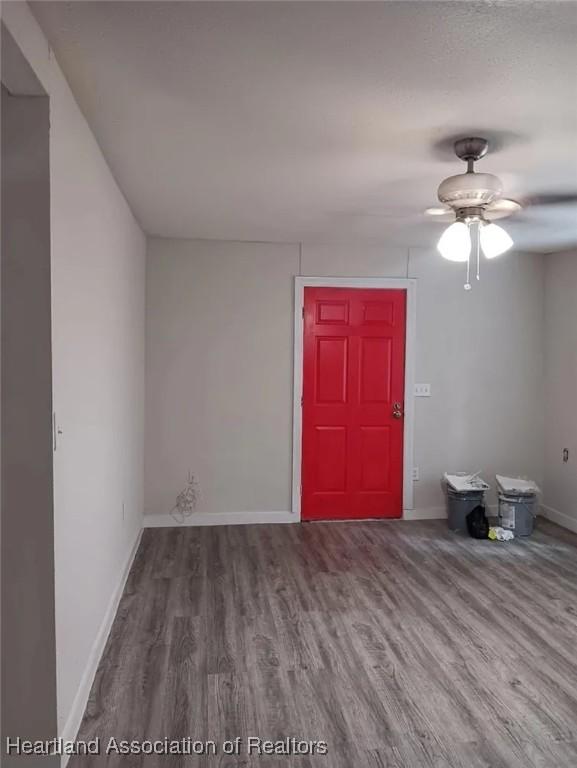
x,y
470,190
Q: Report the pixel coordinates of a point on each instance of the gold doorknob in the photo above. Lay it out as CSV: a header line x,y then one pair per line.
x,y
397,412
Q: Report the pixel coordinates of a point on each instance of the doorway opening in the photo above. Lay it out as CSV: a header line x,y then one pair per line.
x,y
28,603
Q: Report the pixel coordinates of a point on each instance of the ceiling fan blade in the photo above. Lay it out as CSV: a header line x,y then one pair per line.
x,y
440,213
501,208
550,198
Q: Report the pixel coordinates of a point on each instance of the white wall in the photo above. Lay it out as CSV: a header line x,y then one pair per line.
x,y
560,404
219,367
219,374
98,272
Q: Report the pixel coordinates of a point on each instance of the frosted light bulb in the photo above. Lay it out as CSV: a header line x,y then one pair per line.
x,y
494,240
455,242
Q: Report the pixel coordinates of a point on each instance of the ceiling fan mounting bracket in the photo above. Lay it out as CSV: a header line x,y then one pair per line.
x,y
471,149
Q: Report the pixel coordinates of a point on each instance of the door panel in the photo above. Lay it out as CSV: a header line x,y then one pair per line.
x,y
330,370
376,367
335,312
354,360
331,458
379,312
375,458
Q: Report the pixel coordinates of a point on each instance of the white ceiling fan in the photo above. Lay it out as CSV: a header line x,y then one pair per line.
x,y
472,201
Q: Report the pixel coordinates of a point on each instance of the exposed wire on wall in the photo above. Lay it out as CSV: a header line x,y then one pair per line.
x,y
408,260
300,259
186,500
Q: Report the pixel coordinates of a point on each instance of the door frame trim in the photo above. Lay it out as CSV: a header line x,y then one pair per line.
x,y
409,285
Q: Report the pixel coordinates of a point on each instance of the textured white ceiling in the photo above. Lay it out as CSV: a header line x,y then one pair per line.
x,y
321,121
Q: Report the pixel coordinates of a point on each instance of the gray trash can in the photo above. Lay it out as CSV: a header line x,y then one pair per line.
x,y
517,513
459,504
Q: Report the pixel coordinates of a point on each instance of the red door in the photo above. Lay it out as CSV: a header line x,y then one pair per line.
x,y
353,395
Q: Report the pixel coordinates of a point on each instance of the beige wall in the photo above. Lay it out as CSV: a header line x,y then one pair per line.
x,y
219,367
560,404
98,266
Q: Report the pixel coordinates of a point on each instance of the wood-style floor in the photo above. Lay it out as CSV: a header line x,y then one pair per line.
x,y
400,644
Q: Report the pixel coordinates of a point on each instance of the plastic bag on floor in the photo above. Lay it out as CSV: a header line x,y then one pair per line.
x,y
496,533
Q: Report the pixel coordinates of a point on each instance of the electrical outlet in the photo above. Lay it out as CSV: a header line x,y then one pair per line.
x,y
565,455
415,473
422,390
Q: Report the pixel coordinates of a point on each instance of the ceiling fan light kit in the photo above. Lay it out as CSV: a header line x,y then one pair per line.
x,y
494,240
455,242
470,196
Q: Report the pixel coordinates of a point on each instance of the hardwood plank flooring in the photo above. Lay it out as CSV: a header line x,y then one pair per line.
x,y
400,644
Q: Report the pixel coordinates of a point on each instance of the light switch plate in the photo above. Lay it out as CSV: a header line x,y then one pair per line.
x,y
422,390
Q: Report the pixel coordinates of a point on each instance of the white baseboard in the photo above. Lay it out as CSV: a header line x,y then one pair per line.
x,y
565,521
219,518
72,725
425,513
251,518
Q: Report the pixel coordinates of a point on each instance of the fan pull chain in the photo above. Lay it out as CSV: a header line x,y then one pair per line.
x,y
467,285
478,247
